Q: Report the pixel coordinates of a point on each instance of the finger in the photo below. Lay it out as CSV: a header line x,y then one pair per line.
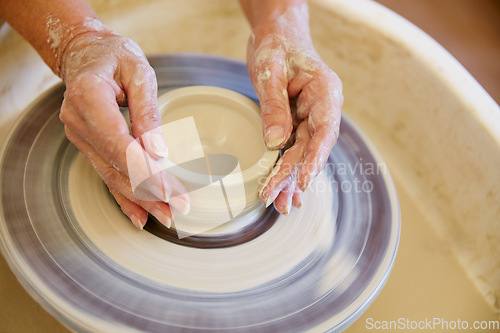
x,y
283,202
100,122
295,124
297,198
147,178
161,211
317,153
322,93
286,166
181,204
323,118
139,83
270,82
139,214
118,183
150,182
90,110
179,199
134,212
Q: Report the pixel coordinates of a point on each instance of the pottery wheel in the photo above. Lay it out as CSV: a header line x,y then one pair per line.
x,y
75,252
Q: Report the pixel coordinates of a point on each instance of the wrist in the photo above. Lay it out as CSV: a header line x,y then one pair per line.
x,y
62,37
261,12
282,18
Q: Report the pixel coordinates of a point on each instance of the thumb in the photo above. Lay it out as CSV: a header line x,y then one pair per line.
x,y
271,84
145,117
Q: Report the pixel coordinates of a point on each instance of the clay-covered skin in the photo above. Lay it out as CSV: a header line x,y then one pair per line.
x,y
300,98
113,71
102,71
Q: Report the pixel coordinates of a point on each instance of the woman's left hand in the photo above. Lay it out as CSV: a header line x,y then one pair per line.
x,y
300,98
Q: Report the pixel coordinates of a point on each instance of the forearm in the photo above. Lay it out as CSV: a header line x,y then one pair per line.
x,y
50,25
264,12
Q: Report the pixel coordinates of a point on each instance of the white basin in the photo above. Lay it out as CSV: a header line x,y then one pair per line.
x,y
434,125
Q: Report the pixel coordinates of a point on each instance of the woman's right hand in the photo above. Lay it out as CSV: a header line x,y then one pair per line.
x,y
103,71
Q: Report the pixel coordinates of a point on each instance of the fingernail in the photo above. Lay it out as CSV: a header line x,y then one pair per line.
x,y
136,221
180,204
162,217
157,186
271,198
274,136
158,145
269,201
186,209
273,173
285,212
168,222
